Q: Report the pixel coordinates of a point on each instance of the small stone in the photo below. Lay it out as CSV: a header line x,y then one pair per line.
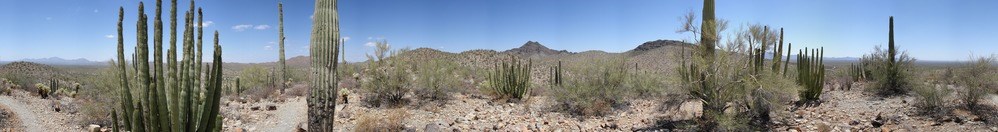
x,y
255,108
271,107
432,127
93,128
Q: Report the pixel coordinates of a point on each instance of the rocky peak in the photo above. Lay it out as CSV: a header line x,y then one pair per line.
x,y
534,48
656,44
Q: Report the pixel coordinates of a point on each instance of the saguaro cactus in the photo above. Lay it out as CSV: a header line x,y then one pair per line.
x,y
708,29
778,54
153,112
323,48
283,68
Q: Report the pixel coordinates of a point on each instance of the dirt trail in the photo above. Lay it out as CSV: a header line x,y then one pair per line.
x,y
29,121
289,115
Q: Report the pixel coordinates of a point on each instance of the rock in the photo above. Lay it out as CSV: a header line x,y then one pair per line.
x,y
854,122
238,130
994,129
877,122
271,107
93,128
432,127
255,108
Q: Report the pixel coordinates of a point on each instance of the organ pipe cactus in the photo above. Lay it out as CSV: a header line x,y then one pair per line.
x,y
324,46
811,74
510,79
161,106
786,63
556,75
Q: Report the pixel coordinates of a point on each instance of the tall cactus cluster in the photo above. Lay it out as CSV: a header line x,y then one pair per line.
x,y
510,79
283,69
556,75
323,50
178,100
811,73
857,72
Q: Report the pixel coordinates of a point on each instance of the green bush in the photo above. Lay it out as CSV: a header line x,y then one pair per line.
x,y
931,100
594,89
388,78
435,79
978,78
890,78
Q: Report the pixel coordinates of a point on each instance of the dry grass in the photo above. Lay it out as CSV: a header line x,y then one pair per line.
x,y
391,121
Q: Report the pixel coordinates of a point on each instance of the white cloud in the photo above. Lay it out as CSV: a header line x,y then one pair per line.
x,y
346,38
109,36
48,18
207,23
268,47
370,44
242,27
311,17
95,10
261,27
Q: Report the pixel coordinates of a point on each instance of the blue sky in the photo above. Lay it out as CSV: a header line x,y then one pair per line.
x,y
927,29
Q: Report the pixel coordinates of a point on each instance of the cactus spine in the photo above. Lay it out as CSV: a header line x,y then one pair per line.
x,y
323,47
283,68
811,74
161,107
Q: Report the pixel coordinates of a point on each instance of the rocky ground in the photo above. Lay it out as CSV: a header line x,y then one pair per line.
x,y
268,115
857,111
841,111
39,115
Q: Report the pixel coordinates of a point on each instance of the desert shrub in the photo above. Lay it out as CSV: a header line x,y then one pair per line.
x,y
297,90
891,78
978,78
43,90
509,79
931,100
392,121
98,96
254,77
594,88
435,79
387,78
644,84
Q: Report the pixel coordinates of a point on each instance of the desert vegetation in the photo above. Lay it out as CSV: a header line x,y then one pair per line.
x,y
726,77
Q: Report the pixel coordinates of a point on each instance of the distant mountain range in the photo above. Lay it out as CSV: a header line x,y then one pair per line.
x,y
61,61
